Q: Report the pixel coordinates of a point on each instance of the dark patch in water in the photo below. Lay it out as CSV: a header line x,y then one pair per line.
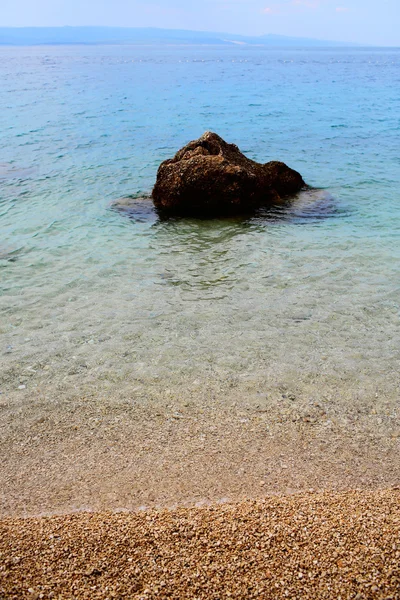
x,y
9,254
139,209
9,171
310,204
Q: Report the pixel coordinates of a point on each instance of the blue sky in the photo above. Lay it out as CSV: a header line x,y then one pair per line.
x,y
362,21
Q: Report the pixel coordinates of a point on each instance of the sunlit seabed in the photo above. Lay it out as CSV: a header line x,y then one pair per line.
x,y
93,297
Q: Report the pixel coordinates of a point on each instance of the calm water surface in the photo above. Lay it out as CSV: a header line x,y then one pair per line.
x,y
92,297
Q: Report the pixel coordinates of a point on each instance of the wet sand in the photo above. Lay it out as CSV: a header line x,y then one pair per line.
x,y
226,489
150,446
337,545
172,447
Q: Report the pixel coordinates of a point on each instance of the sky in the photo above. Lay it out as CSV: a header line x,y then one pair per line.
x,y
374,22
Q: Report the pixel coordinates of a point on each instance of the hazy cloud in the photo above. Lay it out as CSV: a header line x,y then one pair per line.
x,y
269,10
307,3
291,6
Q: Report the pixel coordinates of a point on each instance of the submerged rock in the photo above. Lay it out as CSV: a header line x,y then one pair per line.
x,y
136,208
211,177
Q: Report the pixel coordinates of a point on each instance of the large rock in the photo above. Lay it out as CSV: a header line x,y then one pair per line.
x,y
211,177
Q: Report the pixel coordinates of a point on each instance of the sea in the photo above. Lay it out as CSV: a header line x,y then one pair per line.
x,y
96,300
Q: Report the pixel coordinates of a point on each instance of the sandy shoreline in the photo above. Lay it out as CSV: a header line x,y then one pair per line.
x,y
155,447
315,545
176,453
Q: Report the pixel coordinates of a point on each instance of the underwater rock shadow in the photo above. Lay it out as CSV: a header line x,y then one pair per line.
x,y
310,204
137,208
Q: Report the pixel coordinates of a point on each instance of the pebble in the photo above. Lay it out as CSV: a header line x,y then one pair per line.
x,y
317,546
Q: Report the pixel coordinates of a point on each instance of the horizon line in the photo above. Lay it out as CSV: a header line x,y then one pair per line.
x,y
228,38
182,30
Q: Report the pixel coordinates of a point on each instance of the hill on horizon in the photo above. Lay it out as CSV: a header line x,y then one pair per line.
x,y
31,36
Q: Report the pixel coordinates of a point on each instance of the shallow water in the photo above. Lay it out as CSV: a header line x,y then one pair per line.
x,y
95,297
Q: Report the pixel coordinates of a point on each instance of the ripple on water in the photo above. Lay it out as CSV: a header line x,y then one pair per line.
x,y
309,287
10,171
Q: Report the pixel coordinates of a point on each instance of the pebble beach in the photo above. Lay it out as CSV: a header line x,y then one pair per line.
x,y
315,545
219,493
198,408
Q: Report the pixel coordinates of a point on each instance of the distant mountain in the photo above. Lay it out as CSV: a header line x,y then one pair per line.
x,y
32,36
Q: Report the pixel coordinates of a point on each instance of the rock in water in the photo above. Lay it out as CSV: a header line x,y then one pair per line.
x,y
211,177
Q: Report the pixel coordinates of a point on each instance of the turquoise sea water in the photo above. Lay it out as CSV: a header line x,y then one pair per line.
x,y
95,298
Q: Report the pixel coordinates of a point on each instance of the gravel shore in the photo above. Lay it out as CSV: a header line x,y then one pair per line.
x,y
313,545
162,448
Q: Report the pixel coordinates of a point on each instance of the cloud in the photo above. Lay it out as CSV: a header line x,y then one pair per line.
x,y
271,10
340,9
290,7
306,3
